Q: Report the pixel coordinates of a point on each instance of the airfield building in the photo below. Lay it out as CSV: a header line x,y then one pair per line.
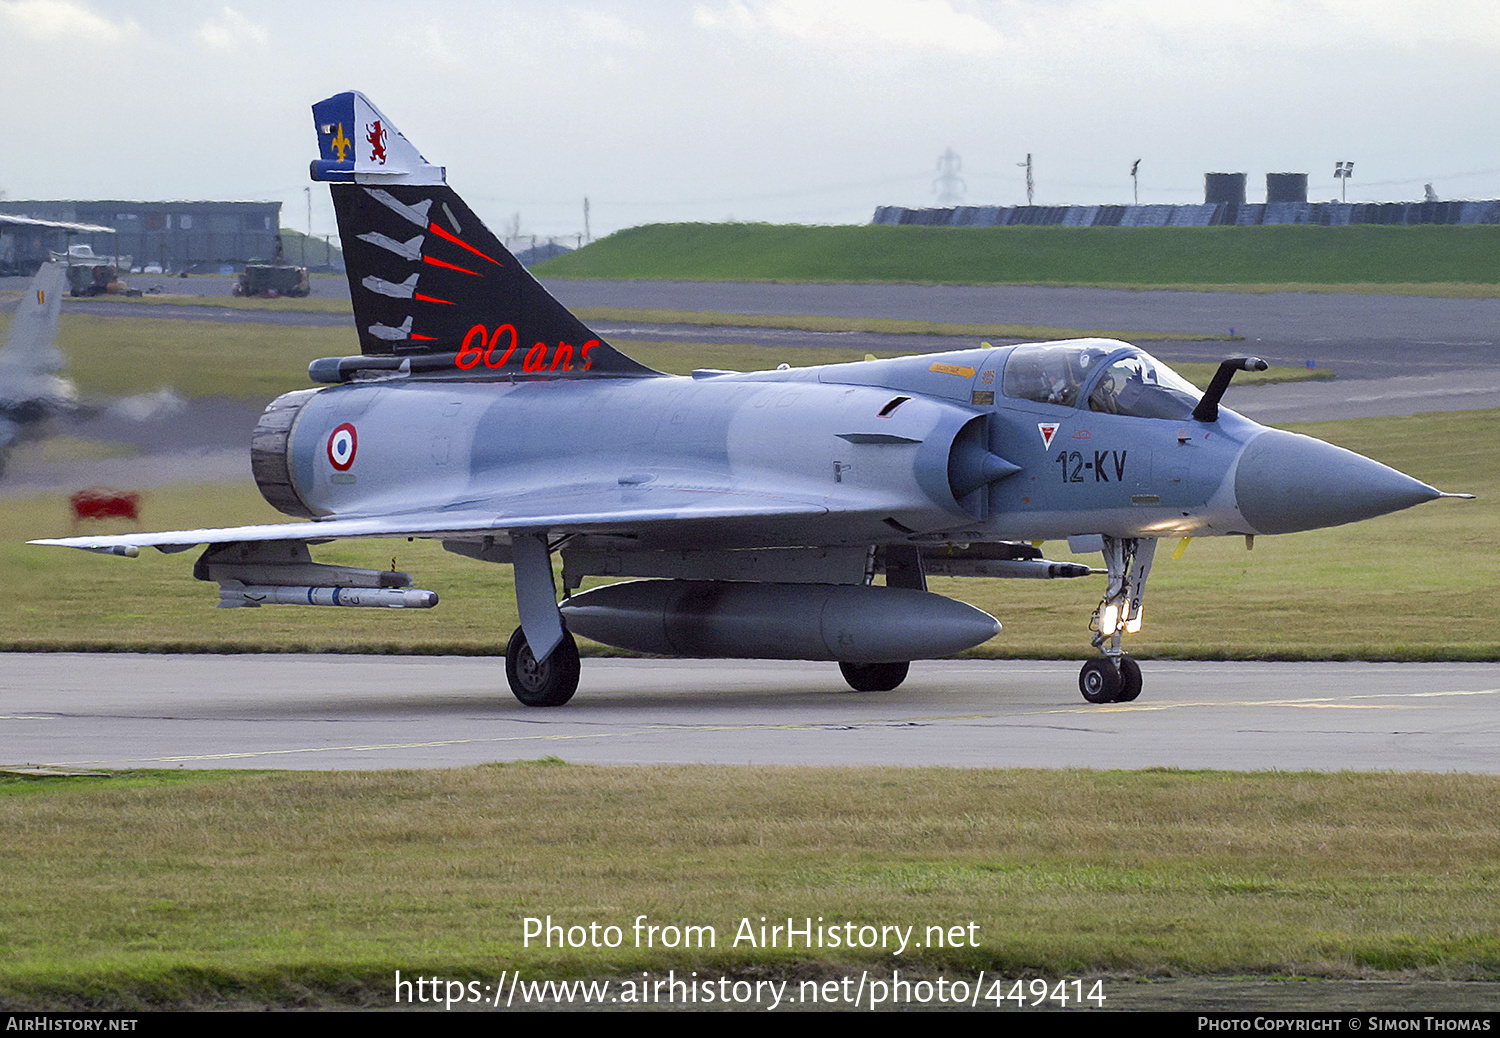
x,y
198,237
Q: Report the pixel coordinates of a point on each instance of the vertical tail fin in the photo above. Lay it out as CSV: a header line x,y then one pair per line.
x,y
30,391
428,279
33,329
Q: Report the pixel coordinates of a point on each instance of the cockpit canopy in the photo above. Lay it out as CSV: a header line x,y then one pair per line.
x,y
1099,375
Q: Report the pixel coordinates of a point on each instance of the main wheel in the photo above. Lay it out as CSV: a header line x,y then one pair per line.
x,y
1099,681
874,677
549,683
1130,680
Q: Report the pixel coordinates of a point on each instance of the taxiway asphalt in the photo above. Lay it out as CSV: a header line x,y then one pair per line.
x,y
361,712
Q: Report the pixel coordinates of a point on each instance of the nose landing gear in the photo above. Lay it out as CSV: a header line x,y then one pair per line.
x,y
1116,677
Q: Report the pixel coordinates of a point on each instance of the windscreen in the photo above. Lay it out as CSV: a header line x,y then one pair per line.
x,y
1122,380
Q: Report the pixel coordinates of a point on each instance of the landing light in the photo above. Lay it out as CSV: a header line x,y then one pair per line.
x,y
1109,619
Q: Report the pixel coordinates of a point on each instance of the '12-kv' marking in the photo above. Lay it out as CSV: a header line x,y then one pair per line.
x,y
1074,466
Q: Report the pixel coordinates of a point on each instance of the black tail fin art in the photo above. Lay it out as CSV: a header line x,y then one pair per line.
x,y
430,282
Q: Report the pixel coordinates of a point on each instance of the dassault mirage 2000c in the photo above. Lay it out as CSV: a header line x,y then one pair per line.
x,y
756,507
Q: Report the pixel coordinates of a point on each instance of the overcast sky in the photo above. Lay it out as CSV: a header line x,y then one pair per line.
x,y
789,111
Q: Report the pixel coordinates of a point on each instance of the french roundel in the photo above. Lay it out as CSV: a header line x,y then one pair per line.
x,y
342,443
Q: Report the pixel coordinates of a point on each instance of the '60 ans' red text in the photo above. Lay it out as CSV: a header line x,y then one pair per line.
x,y
495,349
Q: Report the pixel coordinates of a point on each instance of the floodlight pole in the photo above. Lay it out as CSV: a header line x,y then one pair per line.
x,y
1342,171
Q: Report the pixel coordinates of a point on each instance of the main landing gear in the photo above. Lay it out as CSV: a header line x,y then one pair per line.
x,y
551,682
874,677
1116,677
903,568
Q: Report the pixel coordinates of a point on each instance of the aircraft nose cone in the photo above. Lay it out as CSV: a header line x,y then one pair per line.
x,y
1286,482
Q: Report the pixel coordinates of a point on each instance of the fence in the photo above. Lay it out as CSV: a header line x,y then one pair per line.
x,y
1223,214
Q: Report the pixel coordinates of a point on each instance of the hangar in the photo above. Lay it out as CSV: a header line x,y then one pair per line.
x,y
198,237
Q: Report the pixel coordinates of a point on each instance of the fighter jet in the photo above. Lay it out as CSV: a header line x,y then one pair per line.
x,y
756,509
31,391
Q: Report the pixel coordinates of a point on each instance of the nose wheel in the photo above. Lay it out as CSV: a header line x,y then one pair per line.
x,y
1099,681
1115,677
1103,680
1130,680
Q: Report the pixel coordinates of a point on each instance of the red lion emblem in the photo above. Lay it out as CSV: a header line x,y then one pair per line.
x,y
375,136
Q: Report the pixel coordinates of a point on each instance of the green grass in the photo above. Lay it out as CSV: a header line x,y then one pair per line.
x,y
112,356
1411,257
166,888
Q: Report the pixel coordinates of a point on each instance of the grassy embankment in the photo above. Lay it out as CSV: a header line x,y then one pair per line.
x,y
1454,261
194,888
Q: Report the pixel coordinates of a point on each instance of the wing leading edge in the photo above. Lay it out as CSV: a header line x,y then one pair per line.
x,y
575,512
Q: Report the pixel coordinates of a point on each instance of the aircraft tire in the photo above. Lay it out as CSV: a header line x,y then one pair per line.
x,y
549,683
1130,680
874,677
1099,681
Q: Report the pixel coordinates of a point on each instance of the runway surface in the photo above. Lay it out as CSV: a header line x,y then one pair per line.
x,y
352,712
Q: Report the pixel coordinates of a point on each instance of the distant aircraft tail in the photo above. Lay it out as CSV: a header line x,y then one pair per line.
x,y
30,345
429,281
30,390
